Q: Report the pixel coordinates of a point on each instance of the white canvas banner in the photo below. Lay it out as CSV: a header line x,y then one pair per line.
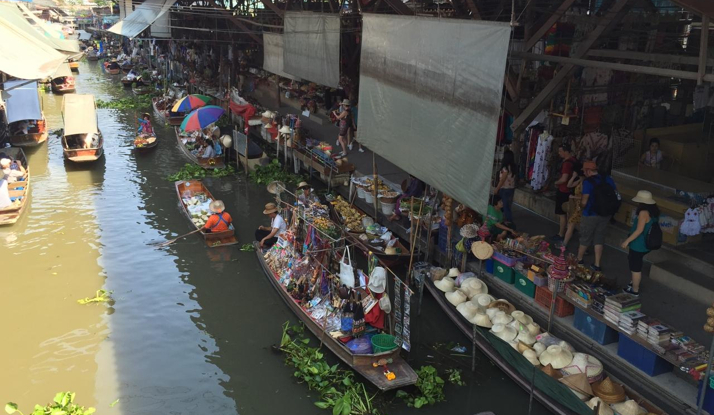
x,y
311,48
273,55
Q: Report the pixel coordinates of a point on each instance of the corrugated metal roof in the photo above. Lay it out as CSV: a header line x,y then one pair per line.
x,y
142,17
700,6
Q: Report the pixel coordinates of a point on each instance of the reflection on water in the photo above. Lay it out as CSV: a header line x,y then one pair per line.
x,y
191,328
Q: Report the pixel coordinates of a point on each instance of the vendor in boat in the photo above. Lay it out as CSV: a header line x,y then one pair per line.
x,y
220,220
5,200
415,188
267,236
145,127
11,169
207,151
305,195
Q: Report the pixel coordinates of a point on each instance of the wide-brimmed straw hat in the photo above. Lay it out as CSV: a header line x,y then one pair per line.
x,y
346,102
217,206
530,355
453,273
146,114
456,297
533,329
644,196
482,250
579,385
556,356
522,317
446,285
604,408
526,338
469,231
502,318
482,300
609,391
270,208
503,305
628,407
504,332
539,348
5,163
302,185
481,320
473,286
550,371
586,364
467,309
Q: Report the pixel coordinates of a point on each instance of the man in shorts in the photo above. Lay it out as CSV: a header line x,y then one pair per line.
x,y
563,192
593,226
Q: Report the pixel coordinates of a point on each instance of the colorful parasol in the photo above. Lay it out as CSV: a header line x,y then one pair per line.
x,y
191,102
201,118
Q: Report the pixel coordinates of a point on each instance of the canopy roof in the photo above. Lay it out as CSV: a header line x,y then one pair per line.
x,y
23,52
43,30
80,114
63,70
22,100
142,17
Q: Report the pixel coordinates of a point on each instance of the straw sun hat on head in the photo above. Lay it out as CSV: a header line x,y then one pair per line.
x,y
270,208
346,102
302,185
217,206
643,196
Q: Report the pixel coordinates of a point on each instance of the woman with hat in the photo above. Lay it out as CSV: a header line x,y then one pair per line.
x,y
220,220
268,235
647,214
305,196
346,123
145,127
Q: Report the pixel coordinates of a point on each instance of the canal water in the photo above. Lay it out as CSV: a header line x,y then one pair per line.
x,y
191,328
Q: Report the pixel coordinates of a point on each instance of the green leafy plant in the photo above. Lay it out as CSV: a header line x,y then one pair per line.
x,y
194,171
102,296
336,387
431,389
455,377
247,248
63,404
129,103
272,172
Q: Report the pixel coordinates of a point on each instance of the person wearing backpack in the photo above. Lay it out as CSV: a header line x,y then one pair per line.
x,y
645,235
600,201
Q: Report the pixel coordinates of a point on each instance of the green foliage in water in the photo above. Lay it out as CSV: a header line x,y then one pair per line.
x,y
455,377
129,103
271,172
337,388
247,248
194,171
430,386
63,404
101,296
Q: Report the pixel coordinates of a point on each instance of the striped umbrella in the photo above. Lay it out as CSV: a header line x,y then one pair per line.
x,y
202,118
191,102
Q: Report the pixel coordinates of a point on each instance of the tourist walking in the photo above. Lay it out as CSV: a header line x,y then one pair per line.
x,y
600,201
575,212
562,196
647,215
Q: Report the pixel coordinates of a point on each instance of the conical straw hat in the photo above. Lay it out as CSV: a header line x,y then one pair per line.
x,y
548,370
578,383
609,391
604,408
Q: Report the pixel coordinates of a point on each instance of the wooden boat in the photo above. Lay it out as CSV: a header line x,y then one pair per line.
x,y
112,68
74,66
127,68
256,155
356,239
142,89
142,144
215,163
19,191
190,188
129,82
361,364
63,80
81,140
172,118
545,390
24,106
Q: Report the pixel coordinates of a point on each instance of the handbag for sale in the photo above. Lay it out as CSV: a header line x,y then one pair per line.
x,y
347,273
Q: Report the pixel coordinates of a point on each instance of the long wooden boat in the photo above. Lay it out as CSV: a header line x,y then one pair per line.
x,y
74,66
143,144
215,163
142,89
81,139
172,118
23,105
63,85
129,82
19,190
361,364
92,57
504,356
191,188
112,68
366,246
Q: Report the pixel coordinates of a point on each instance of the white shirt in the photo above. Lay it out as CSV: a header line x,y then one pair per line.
x,y
209,152
278,223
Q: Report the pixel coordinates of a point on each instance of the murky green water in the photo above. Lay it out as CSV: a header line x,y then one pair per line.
x,y
192,327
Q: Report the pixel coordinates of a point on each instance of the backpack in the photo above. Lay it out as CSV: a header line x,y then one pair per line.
x,y
606,199
653,239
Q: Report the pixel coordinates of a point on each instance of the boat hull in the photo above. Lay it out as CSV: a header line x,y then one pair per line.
x,y
205,163
63,89
28,140
212,239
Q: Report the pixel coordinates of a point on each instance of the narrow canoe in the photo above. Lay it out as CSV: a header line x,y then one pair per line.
x,y
190,188
142,144
361,364
218,162
142,90
20,190
63,88
32,139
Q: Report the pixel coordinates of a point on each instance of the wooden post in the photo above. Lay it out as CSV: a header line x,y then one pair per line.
x,y
703,48
375,178
414,238
245,163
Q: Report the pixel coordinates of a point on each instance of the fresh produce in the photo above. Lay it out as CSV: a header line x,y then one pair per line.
x,y
327,226
273,172
381,187
351,217
194,171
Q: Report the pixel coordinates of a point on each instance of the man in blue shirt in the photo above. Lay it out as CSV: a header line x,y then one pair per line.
x,y
594,224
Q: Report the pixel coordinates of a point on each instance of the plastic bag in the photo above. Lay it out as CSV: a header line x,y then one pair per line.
x,y
347,273
385,304
461,247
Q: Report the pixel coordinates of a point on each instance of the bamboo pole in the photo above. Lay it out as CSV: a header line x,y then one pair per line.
x,y
414,239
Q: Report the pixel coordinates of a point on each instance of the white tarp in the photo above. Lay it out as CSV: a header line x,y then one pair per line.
x,y
82,35
63,70
80,114
56,37
273,54
22,100
312,47
23,54
142,17
430,99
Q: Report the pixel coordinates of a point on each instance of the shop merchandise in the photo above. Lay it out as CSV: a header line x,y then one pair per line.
x,y
609,391
540,166
691,226
556,356
579,385
604,407
628,407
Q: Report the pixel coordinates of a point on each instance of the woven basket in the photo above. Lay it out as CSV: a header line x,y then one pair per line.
x,y
558,285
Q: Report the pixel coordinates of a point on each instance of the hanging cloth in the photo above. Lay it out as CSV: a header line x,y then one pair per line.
x,y
540,165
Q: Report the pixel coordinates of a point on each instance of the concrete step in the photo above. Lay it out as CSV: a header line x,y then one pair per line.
x,y
687,281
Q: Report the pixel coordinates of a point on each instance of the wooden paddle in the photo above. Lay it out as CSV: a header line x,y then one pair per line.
x,y
167,243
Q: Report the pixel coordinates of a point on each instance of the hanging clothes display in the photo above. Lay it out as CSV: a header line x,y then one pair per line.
x,y
540,164
707,215
592,145
691,226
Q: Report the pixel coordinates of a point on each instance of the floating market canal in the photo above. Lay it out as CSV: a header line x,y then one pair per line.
x,y
191,328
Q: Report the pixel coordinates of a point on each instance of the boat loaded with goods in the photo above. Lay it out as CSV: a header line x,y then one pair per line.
x,y
18,189
195,200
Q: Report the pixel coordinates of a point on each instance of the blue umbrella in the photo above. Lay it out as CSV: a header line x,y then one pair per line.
x,y
202,118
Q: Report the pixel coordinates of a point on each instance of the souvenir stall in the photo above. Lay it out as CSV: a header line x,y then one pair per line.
x,y
350,310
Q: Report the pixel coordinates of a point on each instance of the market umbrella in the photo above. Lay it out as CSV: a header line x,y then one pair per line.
x,y
202,118
191,102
